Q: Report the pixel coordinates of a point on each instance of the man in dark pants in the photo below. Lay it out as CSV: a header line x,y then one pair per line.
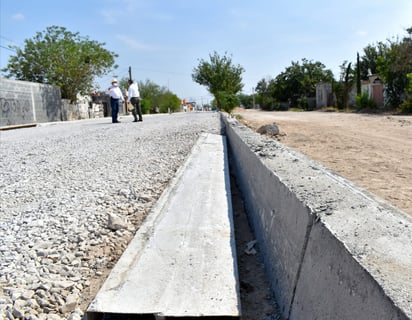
x,y
115,96
133,96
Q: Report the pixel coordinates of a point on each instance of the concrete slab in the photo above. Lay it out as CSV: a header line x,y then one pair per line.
x,y
182,261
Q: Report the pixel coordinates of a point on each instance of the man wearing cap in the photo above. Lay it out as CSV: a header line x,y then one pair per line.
x,y
115,96
133,96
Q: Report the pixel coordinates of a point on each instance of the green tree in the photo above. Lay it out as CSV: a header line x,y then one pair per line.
x,y
369,61
59,57
227,101
245,100
157,98
313,73
343,87
222,79
296,83
392,60
150,92
347,80
406,106
409,89
395,67
288,84
168,101
266,92
358,75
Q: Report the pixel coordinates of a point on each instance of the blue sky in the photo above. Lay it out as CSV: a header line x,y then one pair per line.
x,y
163,40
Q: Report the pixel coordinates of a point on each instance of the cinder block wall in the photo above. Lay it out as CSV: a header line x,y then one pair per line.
x,y
331,250
23,102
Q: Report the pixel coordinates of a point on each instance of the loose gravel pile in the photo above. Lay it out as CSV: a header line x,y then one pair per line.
x,y
72,196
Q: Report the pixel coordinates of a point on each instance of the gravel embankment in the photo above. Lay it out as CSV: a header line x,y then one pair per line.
x,y
72,196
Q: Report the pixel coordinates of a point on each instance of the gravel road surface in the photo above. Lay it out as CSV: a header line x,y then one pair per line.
x,y
72,196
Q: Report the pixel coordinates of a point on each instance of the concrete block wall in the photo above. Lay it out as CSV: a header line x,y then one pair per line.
x,y
81,110
323,94
23,102
331,249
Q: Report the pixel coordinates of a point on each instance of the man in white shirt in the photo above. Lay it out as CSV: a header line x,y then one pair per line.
x,y
116,96
133,96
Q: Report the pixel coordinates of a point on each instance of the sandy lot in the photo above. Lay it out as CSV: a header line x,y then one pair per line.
x,y
373,151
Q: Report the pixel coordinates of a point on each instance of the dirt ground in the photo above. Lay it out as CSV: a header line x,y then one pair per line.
x,y
256,299
373,151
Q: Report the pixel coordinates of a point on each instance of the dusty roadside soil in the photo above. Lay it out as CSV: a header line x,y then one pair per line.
x,y
373,151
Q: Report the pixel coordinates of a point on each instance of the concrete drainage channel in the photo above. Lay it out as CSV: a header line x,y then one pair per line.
x,y
330,249
182,261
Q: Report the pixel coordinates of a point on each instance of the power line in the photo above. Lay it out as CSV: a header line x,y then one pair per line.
x,y
8,39
8,48
162,71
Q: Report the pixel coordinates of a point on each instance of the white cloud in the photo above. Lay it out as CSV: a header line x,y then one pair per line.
x,y
115,11
134,44
109,17
361,33
18,16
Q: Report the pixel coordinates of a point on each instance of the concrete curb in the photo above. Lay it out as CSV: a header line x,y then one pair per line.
x,y
332,250
18,126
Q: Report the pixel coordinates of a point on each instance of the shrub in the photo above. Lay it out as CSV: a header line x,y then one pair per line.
x,y
406,106
363,102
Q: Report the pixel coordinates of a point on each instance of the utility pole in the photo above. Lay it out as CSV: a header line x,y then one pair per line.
x,y
125,103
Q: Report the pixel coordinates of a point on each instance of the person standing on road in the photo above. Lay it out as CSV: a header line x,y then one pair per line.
x,y
116,96
133,96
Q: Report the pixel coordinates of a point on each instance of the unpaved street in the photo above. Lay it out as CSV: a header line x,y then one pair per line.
x,y
373,151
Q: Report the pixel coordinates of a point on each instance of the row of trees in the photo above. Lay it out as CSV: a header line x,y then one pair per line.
x,y
62,58
155,98
391,60
294,85
72,62
59,57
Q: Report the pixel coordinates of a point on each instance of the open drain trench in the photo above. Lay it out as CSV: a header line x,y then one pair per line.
x,y
182,262
322,240
257,300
